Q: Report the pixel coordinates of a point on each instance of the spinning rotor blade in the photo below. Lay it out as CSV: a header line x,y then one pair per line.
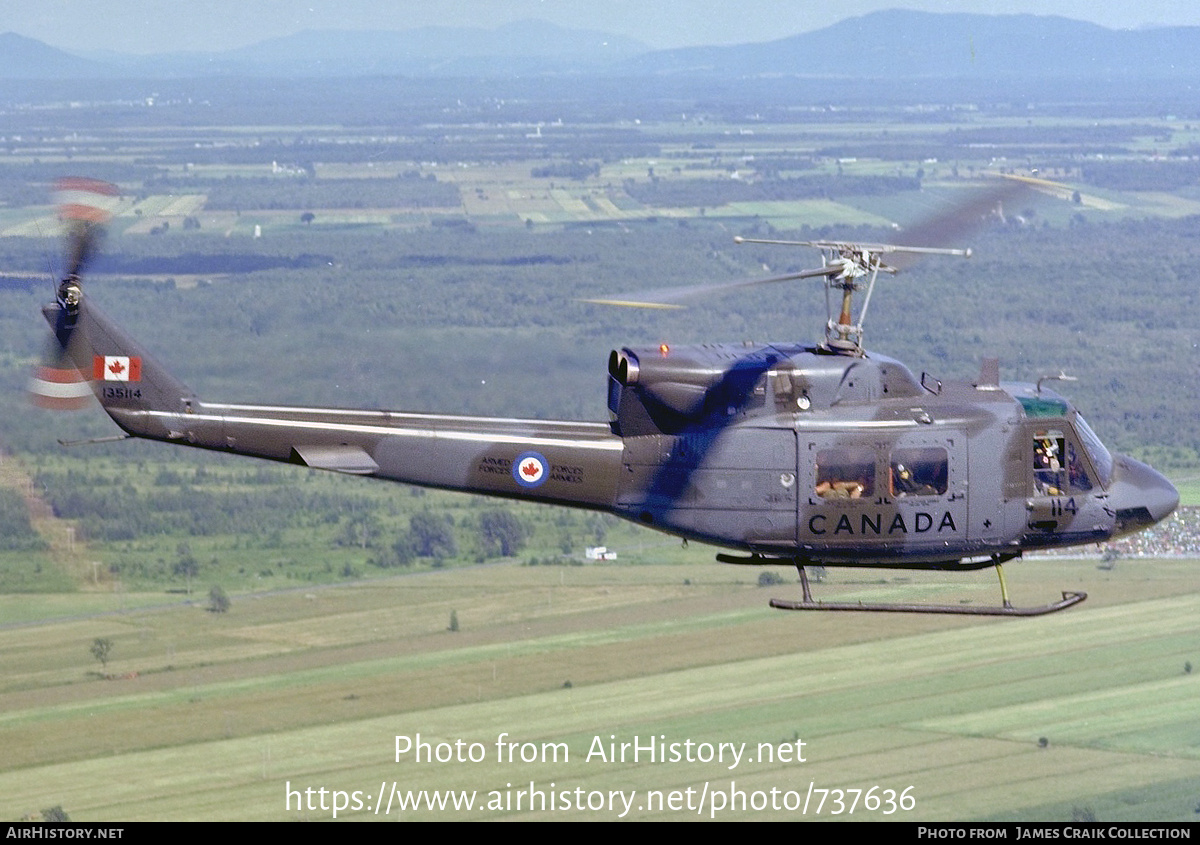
x,y
941,233
670,297
961,220
84,205
56,384
83,239
934,236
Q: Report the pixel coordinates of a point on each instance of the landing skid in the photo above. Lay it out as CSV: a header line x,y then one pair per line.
x,y
1068,599
1006,609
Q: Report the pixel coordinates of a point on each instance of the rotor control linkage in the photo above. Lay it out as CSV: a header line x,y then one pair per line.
x,y
849,267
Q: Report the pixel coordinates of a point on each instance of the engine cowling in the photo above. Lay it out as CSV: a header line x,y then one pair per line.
x,y
663,390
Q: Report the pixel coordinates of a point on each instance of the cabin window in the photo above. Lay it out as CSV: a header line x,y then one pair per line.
x,y
919,472
846,473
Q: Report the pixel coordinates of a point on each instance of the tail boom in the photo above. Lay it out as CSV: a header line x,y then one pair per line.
x,y
568,463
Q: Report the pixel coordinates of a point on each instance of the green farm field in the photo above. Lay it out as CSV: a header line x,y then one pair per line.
x,y
1189,489
309,688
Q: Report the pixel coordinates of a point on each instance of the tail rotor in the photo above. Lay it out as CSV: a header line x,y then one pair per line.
x,y
85,206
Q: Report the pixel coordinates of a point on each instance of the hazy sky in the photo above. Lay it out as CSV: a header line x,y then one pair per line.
x,y
151,26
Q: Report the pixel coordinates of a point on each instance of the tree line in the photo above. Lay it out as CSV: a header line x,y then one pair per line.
x,y
710,193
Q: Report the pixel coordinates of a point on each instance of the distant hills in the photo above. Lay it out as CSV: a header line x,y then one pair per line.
x,y
895,44
528,47
27,58
906,44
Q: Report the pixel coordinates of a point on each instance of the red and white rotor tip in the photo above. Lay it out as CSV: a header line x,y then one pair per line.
x,y
85,200
59,387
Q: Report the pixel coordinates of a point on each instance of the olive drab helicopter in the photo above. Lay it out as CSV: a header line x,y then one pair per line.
x,y
787,453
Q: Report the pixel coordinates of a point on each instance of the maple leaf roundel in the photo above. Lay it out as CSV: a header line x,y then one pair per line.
x,y
530,469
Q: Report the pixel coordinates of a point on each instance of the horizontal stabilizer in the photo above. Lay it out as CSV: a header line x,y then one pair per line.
x,y
353,460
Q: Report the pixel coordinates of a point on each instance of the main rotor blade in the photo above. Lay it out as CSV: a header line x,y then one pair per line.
x,y
955,224
941,234
670,297
858,246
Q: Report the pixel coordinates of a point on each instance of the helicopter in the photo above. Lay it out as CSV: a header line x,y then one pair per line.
x,y
819,454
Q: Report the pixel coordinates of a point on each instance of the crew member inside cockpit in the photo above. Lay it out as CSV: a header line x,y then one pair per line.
x,y
1047,464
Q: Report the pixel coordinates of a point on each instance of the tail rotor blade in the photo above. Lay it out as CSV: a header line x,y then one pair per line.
x,y
85,206
56,384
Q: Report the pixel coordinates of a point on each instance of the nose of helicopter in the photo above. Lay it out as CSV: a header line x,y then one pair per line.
x,y
1140,495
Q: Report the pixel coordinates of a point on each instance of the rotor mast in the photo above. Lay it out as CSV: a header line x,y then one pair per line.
x,y
849,267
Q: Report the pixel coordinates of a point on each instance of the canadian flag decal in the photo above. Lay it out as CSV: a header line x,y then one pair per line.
x,y
117,368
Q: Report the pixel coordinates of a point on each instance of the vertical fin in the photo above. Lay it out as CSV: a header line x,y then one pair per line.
x,y
134,388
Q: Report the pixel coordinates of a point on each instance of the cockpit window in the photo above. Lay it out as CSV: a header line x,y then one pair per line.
x,y
1043,406
1101,457
1058,468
